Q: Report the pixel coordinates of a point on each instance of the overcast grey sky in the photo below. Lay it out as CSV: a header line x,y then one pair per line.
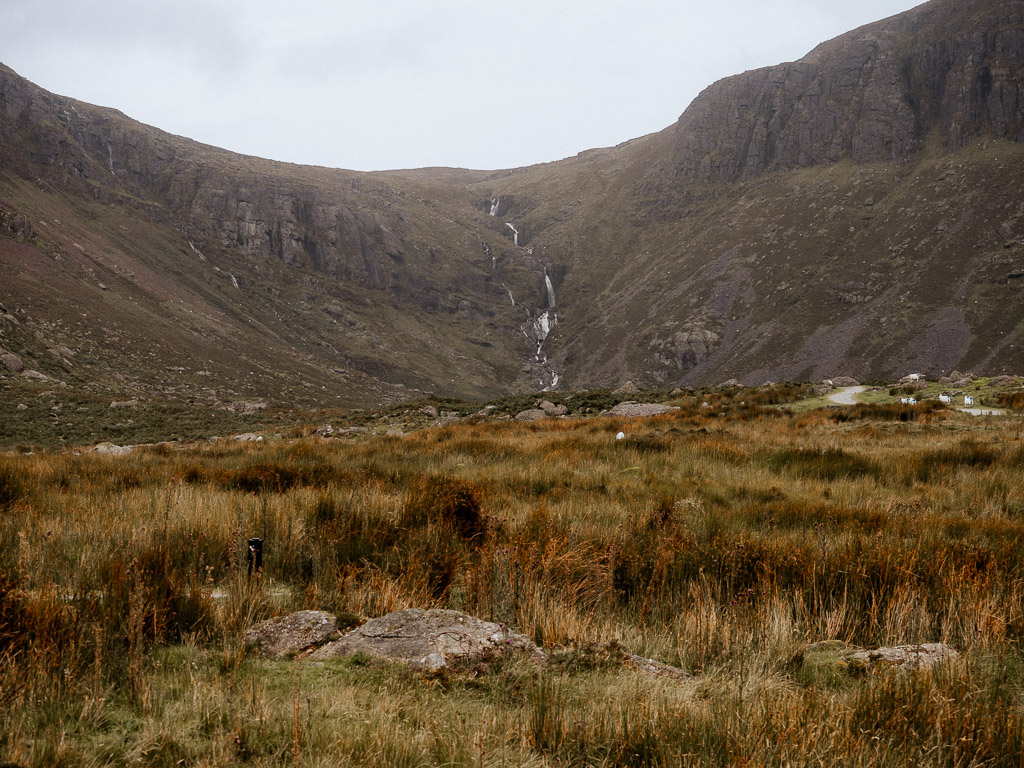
x,y
375,84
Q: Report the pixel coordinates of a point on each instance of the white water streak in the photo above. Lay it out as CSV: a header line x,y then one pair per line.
x,y
551,290
515,231
198,252
494,206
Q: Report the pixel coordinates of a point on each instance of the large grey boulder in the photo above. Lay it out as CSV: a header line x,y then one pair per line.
x,y
429,639
289,636
634,410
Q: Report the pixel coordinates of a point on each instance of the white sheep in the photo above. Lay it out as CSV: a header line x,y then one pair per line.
x,y
620,436
945,399
908,400
968,401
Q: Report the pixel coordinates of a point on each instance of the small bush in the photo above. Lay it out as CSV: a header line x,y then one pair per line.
x,y
11,487
828,464
887,411
445,500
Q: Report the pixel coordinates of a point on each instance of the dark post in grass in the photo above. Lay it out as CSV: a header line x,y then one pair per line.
x,y
255,556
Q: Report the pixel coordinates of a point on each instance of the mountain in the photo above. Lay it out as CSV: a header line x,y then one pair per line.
x,y
858,211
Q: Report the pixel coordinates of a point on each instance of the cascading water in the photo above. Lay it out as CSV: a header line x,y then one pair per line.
x,y
515,231
540,331
494,206
198,252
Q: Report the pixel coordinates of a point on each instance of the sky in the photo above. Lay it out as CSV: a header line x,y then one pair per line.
x,y
384,84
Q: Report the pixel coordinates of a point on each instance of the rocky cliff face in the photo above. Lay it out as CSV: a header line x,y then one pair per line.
x,y
873,94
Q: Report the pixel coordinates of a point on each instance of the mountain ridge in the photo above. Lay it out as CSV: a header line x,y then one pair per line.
x,y
857,211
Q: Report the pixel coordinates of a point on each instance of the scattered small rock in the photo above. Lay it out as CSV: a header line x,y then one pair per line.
x,y
22,407
429,410
395,432
325,430
35,375
248,407
124,403
247,437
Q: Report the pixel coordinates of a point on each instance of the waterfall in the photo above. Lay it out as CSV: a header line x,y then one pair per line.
x,y
494,206
551,290
234,281
515,231
198,252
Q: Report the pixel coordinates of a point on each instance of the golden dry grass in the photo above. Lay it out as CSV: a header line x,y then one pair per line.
x,y
725,545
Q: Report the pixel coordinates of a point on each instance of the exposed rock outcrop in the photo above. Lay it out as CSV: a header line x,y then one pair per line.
x,y
872,94
685,349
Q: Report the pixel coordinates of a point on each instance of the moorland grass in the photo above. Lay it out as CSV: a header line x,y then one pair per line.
x,y
730,545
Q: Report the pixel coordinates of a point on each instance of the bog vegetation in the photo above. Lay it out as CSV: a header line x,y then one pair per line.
x,y
732,541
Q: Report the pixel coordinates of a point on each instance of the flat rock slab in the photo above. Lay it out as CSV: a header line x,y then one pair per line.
x,y
633,410
654,668
428,639
291,635
905,656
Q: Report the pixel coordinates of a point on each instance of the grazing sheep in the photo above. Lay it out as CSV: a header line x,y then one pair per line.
x,y
968,401
945,399
908,400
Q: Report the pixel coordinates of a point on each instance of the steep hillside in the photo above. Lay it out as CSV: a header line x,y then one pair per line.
x,y
355,286
859,211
